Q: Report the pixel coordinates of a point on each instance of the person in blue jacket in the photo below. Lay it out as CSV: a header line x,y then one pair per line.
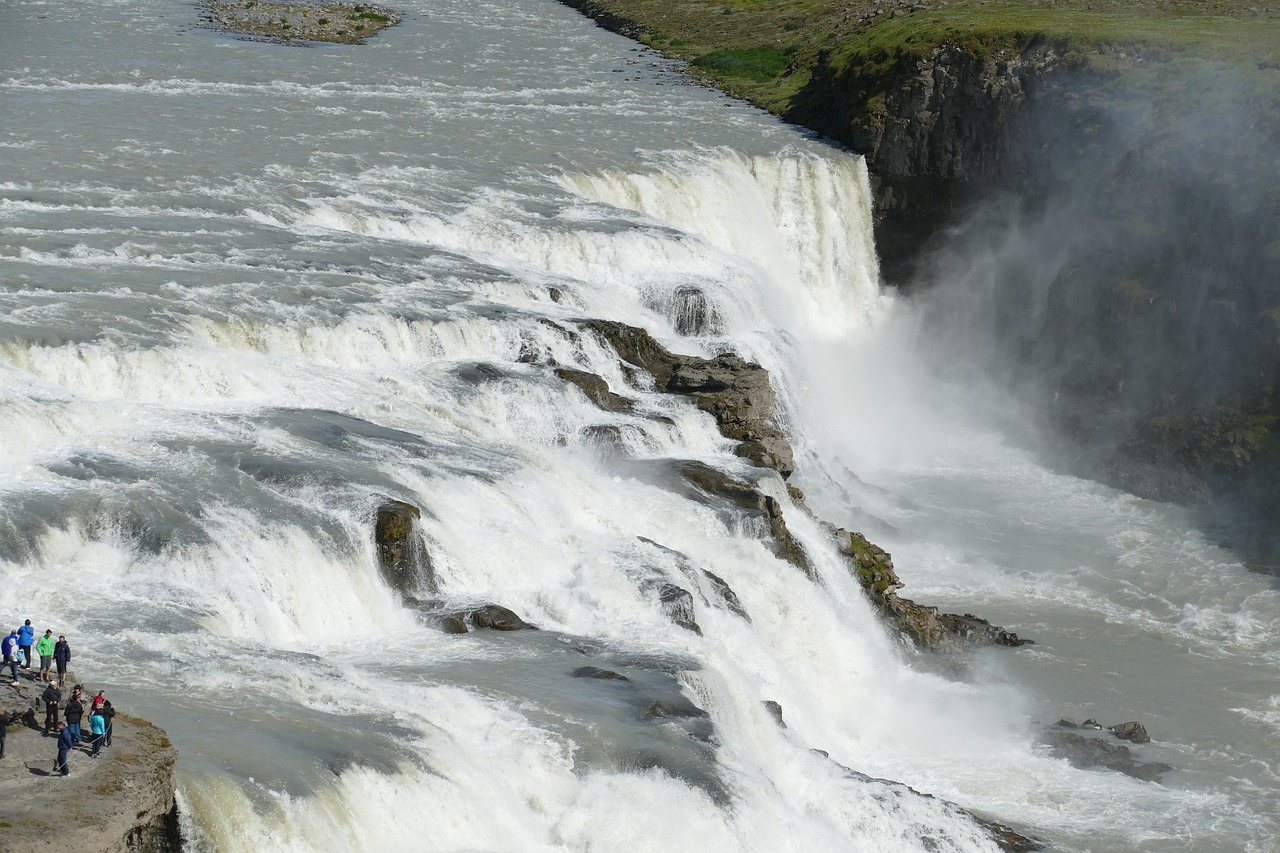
x,y
26,636
9,647
65,744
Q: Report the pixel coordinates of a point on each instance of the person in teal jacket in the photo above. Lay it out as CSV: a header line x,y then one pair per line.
x,y
98,727
44,648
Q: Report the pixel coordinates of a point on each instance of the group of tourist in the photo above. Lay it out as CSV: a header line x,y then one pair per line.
x,y
16,648
17,651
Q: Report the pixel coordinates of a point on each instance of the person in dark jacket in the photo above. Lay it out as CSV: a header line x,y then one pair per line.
x,y
4,730
108,713
51,697
62,658
65,744
73,714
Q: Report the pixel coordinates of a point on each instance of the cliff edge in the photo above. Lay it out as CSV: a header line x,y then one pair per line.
x,y
1084,194
121,801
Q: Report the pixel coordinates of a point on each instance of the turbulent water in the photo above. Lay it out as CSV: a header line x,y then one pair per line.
x,y
248,291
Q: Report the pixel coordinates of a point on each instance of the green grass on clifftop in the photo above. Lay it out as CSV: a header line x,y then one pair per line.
x,y
766,50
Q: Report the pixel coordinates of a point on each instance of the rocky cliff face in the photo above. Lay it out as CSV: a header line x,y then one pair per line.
x,y
1092,220
936,130
1095,229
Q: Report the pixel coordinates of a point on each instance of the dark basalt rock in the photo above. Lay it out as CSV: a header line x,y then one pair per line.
x,y
597,672
609,20
497,617
453,625
725,593
1087,752
493,616
605,436
721,592
677,604
735,392
715,483
402,554
680,708
692,312
775,711
925,626
596,389
1132,731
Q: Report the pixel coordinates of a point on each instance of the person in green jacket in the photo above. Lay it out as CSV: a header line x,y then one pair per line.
x,y
44,648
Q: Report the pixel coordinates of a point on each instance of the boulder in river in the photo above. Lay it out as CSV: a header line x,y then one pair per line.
x,y
497,617
677,604
1086,752
402,553
1131,731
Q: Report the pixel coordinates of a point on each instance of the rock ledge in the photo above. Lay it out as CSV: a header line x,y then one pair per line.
x,y
122,802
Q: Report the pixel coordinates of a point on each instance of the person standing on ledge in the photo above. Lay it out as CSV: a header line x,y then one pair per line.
x,y
51,697
62,658
26,635
98,727
73,714
9,647
108,715
4,730
65,743
44,648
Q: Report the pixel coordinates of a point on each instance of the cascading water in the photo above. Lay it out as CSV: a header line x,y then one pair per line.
x,y
261,289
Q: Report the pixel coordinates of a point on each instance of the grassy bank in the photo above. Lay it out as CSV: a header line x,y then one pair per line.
x,y
766,51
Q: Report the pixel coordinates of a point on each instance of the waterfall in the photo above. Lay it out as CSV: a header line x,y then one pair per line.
x,y
370,286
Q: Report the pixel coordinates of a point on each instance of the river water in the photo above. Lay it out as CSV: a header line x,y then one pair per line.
x,y
248,291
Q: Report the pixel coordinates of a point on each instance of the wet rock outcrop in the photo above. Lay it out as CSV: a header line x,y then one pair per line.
x,y
677,604
405,565
121,803
925,626
596,389
932,127
712,482
735,392
1087,752
402,554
